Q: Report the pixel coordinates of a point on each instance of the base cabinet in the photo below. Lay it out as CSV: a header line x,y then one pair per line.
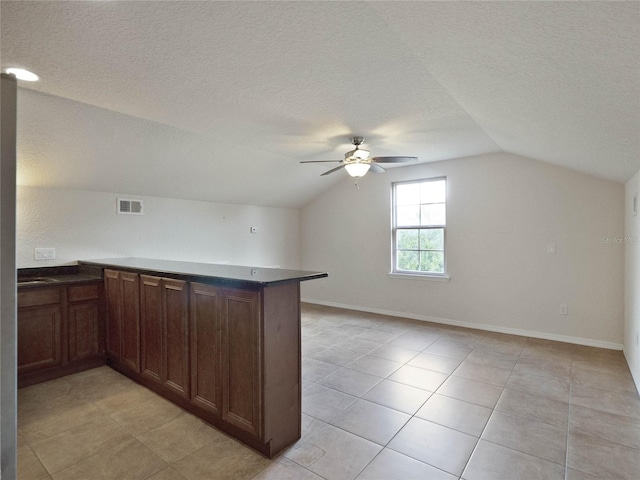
x,y
59,331
122,290
225,355
241,378
164,322
84,326
205,347
39,338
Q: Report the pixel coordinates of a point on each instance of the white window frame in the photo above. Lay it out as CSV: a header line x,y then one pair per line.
x,y
412,274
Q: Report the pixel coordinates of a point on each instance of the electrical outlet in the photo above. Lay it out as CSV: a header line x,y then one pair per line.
x,y
44,253
563,310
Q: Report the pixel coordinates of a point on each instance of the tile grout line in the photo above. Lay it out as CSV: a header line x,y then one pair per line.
x,y
411,417
404,424
493,409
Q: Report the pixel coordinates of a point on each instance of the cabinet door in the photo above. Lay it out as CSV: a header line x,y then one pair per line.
x,y
175,316
39,338
84,330
205,347
151,327
130,320
123,318
113,294
241,379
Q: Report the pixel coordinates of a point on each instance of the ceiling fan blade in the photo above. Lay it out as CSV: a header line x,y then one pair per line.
x,y
394,159
375,168
320,161
332,170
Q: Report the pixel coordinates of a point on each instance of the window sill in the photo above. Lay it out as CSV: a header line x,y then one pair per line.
x,y
428,278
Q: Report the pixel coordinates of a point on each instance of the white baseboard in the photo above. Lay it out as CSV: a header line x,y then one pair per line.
x,y
634,373
491,328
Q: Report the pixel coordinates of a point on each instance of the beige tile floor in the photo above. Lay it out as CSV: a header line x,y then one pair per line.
x,y
383,398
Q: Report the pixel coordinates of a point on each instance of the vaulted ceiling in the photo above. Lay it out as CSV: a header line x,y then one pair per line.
x,y
220,101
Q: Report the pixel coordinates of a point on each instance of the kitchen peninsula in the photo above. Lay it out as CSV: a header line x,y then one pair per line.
x,y
221,341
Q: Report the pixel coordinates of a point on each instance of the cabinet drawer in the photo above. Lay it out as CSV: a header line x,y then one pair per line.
x,y
39,296
83,292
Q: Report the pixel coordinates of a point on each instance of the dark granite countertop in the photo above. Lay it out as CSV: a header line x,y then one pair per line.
x,y
56,276
202,271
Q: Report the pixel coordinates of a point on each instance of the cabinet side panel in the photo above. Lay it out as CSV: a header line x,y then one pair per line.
x,y
112,292
176,327
151,327
205,347
241,354
130,283
83,330
282,365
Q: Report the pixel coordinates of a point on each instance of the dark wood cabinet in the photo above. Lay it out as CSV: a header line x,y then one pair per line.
x,y
222,342
245,362
164,321
130,318
112,294
151,328
225,354
175,349
241,381
205,347
227,351
39,338
123,318
83,313
59,331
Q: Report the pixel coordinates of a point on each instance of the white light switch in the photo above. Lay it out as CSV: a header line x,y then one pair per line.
x,y
44,253
551,248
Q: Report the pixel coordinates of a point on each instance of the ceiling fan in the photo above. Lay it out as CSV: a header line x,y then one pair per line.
x,y
357,161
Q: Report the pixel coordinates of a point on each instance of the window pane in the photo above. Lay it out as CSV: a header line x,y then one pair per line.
x,y
408,239
407,216
433,214
408,194
432,239
432,262
408,260
419,210
433,192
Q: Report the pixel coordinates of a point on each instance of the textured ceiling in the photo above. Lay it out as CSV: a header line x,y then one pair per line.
x,y
220,101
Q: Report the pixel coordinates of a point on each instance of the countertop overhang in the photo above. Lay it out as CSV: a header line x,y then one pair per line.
x,y
259,276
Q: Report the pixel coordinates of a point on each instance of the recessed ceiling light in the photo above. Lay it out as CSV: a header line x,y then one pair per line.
x,y
22,74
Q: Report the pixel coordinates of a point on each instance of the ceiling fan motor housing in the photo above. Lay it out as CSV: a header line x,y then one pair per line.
x,y
357,141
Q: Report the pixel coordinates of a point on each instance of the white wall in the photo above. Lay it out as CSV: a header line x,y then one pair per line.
x,y
503,211
84,225
632,280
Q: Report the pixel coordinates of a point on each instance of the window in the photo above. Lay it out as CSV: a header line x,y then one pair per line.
x,y
419,226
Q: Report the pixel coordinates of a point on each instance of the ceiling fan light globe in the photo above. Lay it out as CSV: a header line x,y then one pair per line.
x,y
356,169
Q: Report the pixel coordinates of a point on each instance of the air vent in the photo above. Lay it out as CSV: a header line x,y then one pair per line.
x,y
129,207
